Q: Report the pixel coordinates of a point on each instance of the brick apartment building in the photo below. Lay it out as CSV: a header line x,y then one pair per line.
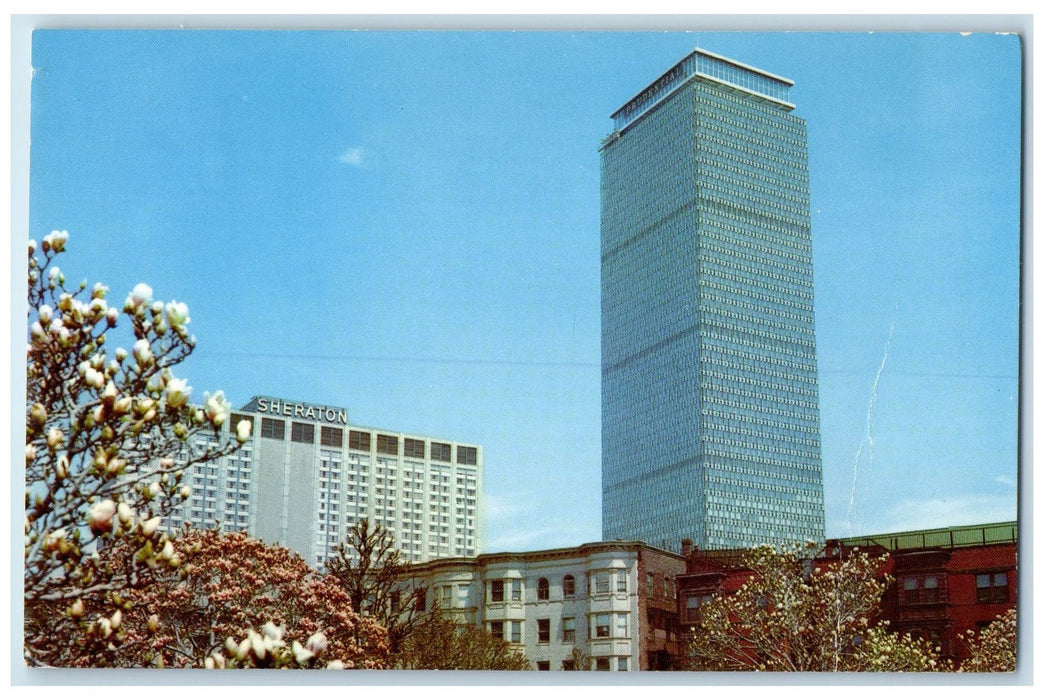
x,y
946,581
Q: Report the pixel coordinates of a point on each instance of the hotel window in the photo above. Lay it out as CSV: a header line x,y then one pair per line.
x,y
516,632
543,665
516,589
331,437
602,663
387,444
569,586
420,602
272,428
467,455
496,591
543,589
621,581
568,665
496,628
358,440
600,582
440,452
621,663
302,432
544,631
992,588
568,629
413,448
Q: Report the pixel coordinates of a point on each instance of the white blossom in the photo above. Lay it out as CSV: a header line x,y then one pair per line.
x,y
109,394
216,407
177,392
257,644
301,655
94,378
142,352
56,240
177,314
273,631
140,296
243,431
317,643
149,526
168,551
99,515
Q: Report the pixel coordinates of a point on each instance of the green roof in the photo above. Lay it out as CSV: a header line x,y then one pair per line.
x,y
947,537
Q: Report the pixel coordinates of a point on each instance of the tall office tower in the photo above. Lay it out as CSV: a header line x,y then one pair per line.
x,y
710,401
306,475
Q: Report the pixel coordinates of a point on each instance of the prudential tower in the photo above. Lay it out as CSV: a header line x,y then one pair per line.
x,y
710,398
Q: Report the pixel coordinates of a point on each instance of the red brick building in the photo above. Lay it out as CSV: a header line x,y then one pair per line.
x,y
946,581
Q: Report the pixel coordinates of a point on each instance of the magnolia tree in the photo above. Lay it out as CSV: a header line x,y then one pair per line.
x,y
233,602
109,433
994,648
796,614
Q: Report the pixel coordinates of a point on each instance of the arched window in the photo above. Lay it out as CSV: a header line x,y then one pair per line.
x,y
569,586
543,589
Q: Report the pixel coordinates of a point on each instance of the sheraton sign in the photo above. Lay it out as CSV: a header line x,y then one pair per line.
x,y
293,409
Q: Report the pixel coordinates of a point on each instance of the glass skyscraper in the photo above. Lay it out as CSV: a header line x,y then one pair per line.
x,y
710,400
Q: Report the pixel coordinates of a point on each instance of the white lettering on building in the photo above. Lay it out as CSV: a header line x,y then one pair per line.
x,y
301,410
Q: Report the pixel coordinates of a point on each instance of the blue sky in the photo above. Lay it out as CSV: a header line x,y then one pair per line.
x,y
406,224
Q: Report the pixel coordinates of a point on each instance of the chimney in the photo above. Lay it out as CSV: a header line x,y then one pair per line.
x,y
686,547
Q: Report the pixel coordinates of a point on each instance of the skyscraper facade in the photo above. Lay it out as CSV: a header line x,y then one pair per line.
x,y
307,475
710,400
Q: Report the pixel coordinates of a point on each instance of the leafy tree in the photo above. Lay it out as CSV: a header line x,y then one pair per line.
x,y
109,433
229,585
373,573
794,614
441,643
994,648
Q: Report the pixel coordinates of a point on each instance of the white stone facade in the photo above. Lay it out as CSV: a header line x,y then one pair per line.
x,y
593,598
307,475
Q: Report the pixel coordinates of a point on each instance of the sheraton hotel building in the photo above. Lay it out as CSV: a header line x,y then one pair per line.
x,y
307,475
